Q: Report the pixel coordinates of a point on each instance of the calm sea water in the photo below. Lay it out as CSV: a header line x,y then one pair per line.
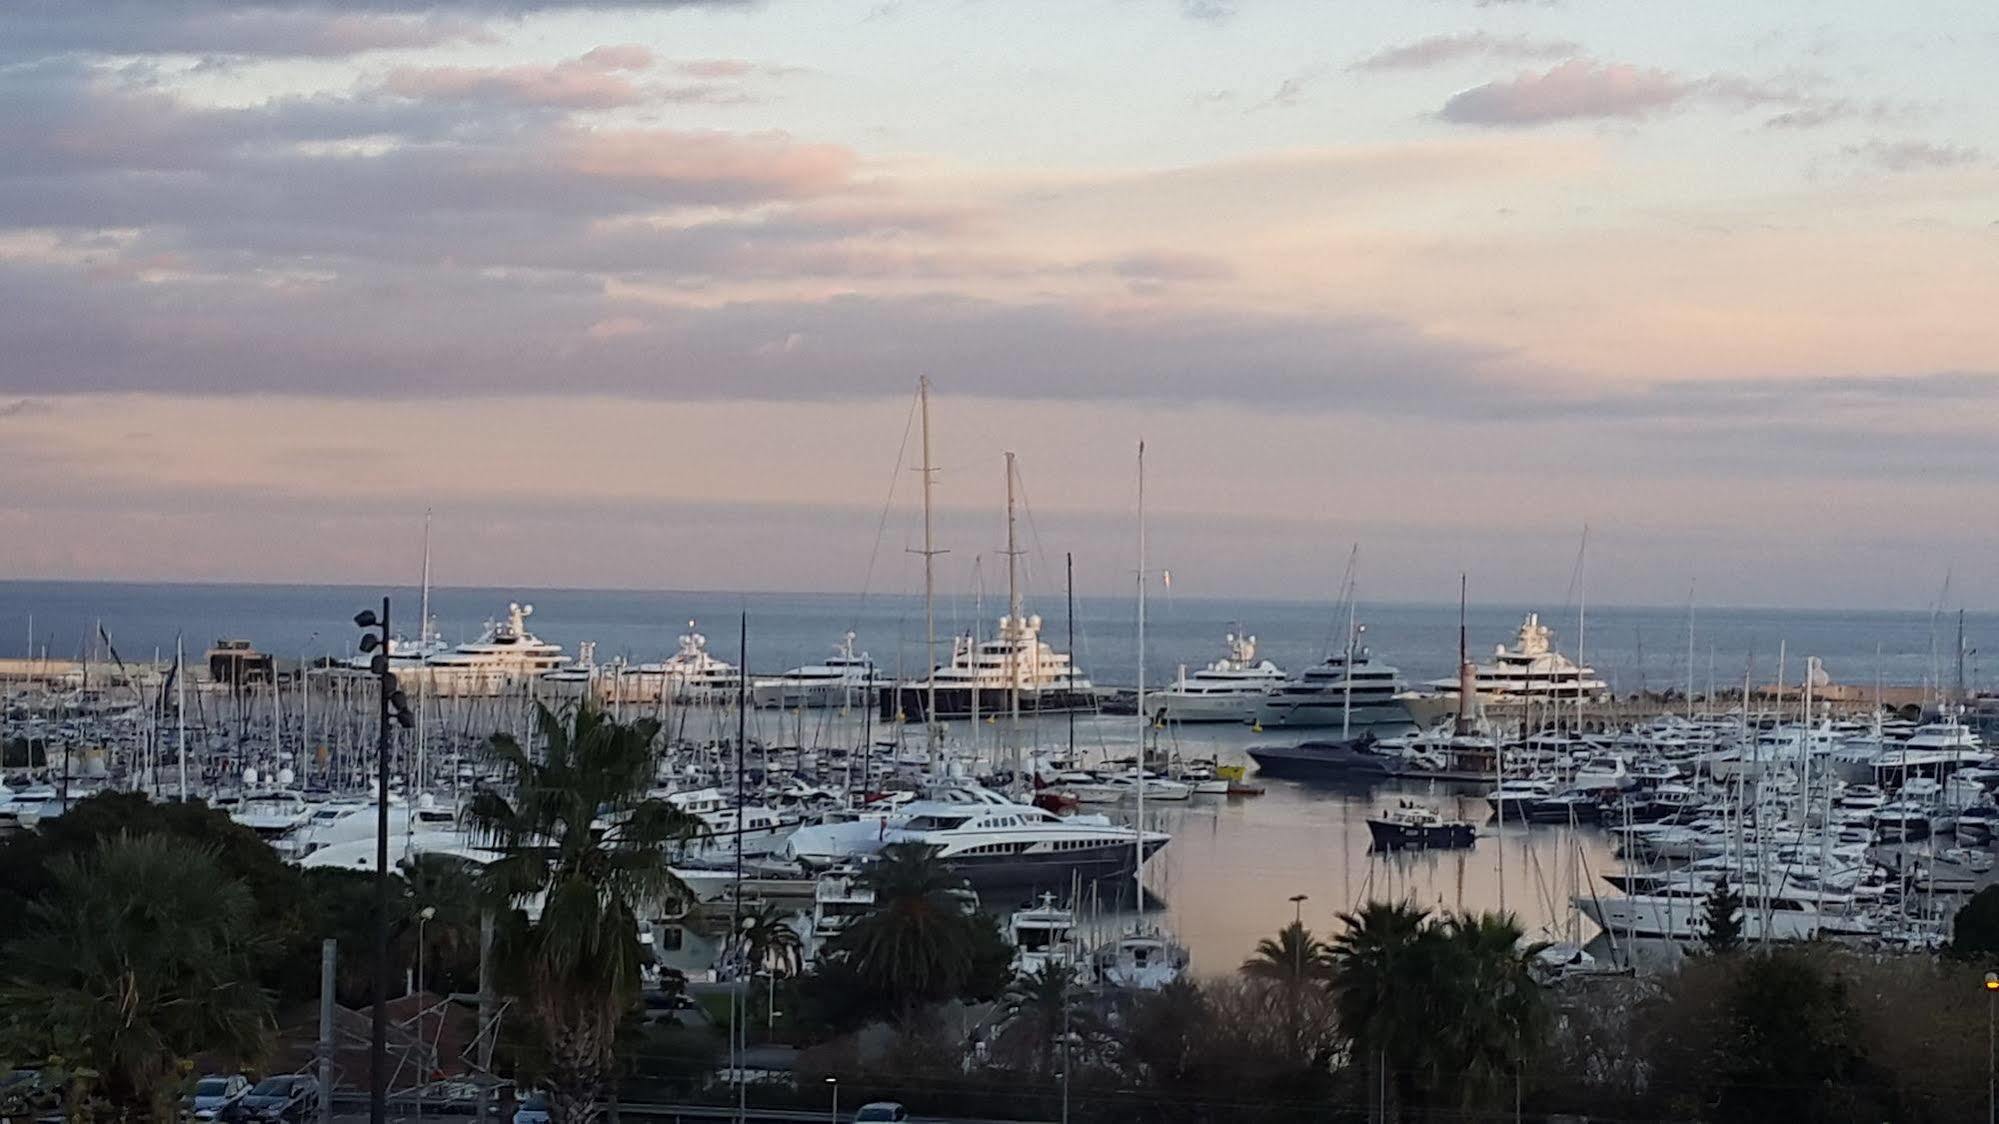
x,y
1630,647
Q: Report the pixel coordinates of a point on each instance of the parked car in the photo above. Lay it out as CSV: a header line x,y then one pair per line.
x,y
215,1096
533,1109
880,1111
289,1098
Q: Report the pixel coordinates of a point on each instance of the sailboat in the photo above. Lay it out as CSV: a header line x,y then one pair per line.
x,y
1146,957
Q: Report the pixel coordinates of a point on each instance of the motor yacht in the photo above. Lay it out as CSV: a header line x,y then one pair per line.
x,y
846,679
1227,690
989,676
1348,691
1530,669
987,836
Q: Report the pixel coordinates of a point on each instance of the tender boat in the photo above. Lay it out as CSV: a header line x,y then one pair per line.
x,y
1411,825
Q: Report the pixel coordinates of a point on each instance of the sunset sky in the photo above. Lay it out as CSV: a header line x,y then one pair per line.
x,y
637,294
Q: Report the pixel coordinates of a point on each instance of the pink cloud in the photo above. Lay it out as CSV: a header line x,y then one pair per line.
x,y
769,162
1439,49
716,68
1575,89
594,80
617,56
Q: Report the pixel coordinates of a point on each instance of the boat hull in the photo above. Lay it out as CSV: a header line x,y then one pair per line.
x,y
1052,870
810,696
1388,835
911,702
1321,713
1321,761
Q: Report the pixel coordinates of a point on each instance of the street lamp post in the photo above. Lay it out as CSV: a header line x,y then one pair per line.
x,y
375,638
423,917
835,1083
1991,1089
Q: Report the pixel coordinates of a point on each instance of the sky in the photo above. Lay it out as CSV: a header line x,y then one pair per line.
x,y
636,295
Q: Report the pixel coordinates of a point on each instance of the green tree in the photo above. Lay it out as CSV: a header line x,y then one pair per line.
x,y
921,942
768,943
1295,958
1791,1050
449,887
281,915
1384,963
1974,929
142,955
1721,928
1296,965
1040,1012
581,834
1498,1016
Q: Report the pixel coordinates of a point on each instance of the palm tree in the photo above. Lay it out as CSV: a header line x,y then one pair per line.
x,y
1498,1013
1295,959
583,835
1295,965
143,955
1043,1011
448,886
919,943
1384,963
769,944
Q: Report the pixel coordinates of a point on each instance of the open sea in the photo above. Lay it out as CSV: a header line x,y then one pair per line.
x,y
1632,648
1234,863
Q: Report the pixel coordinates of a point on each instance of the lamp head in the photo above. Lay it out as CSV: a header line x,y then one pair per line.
x,y
369,641
365,619
1992,981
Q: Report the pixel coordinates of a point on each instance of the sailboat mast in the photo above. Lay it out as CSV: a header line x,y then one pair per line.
x,y
1467,679
1690,651
423,655
1138,840
1069,598
929,582
180,713
1016,625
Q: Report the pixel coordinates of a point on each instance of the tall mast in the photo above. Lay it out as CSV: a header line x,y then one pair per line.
x,y
929,581
1138,839
1016,627
423,621
422,654
1467,675
1069,599
1690,651
180,712
1962,697
1582,609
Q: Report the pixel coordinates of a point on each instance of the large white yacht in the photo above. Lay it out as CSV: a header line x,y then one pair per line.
x,y
1349,691
689,675
986,675
846,679
1530,669
987,836
1227,690
504,657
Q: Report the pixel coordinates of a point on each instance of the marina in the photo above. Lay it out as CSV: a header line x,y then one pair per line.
x,y
1615,828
